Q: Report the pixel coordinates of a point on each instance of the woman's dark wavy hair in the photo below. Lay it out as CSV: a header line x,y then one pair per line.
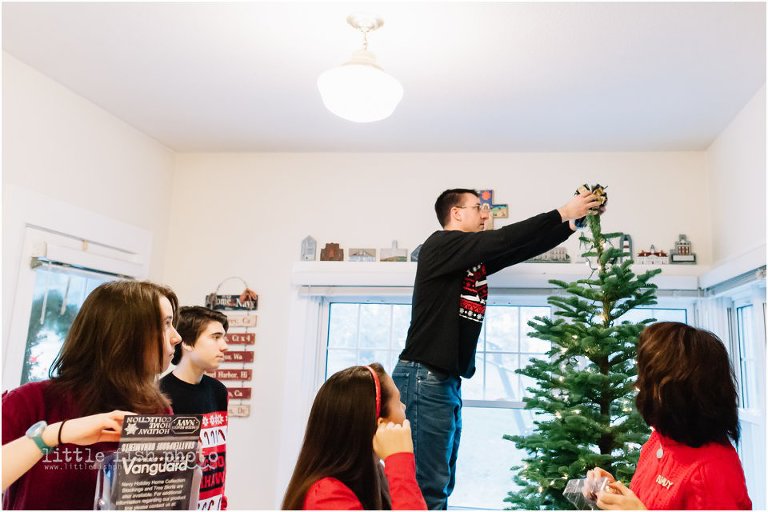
x,y
114,350
687,385
338,441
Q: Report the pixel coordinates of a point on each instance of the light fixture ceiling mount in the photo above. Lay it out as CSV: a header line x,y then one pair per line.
x,y
359,90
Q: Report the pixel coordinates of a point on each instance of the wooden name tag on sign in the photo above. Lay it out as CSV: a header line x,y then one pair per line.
x,y
239,410
239,393
232,302
240,338
241,321
238,356
231,374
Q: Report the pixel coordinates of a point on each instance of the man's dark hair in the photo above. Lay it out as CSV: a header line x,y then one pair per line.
x,y
447,200
192,322
687,386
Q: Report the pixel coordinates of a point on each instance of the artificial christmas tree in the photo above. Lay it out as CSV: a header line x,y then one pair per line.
x,y
584,389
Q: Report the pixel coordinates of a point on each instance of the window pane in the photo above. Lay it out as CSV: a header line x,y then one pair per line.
x,y
342,329
338,360
472,389
501,381
375,325
56,301
528,344
383,357
401,320
483,477
670,315
502,328
661,315
747,385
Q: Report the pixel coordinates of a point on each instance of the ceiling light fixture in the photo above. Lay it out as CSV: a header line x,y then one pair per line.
x,y
359,90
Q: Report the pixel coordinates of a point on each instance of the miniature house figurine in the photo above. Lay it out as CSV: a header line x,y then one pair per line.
x,y
394,253
682,252
362,255
331,252
415,253
556,255
308,249
626,247
652,257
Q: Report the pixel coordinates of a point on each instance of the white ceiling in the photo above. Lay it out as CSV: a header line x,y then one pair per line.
x,y
477,76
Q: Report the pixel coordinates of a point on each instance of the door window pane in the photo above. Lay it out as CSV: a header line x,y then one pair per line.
x,y
747,384
56,301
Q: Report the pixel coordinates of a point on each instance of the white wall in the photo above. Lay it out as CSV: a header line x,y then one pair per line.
x,y
60,146
246,214
736,173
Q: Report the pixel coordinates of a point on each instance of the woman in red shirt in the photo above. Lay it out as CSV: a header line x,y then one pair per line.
x,y
687,394
121,338
357,421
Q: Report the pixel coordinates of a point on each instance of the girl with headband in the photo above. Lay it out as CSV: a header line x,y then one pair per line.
x,y
356,421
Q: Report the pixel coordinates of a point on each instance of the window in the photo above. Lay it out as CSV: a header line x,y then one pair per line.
x,y
363,332
56,272
744,358
660,314
360,333
57,297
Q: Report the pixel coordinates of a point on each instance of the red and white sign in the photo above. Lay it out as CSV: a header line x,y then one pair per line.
x,y
240,338
238,356
239,393
231,374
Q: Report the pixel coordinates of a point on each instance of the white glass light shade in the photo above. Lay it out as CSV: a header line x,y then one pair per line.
x,y
359,90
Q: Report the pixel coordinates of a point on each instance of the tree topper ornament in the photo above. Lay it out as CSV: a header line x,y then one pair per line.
x,y
602,196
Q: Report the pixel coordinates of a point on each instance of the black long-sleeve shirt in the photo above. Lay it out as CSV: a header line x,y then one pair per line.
x,y
451,289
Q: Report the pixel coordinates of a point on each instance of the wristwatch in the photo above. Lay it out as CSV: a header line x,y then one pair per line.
x,y
35,433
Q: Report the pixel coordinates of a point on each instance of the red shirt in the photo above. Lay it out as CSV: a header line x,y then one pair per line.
x,y
399,468
708,477
65,479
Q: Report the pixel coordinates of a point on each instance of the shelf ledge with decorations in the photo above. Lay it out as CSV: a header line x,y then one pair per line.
x,y
327,274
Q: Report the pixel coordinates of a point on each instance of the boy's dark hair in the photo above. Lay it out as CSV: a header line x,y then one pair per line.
x,y
192,322
687,386
447,200
338,439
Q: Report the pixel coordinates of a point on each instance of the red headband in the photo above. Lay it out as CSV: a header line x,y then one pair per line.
x,y
377,384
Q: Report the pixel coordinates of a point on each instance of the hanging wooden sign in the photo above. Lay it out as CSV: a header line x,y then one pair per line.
x,y
239,410
240,338
242,321
238,356
231,374
239,393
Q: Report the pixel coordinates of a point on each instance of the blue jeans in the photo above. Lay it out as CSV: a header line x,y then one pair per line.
x,y
433,406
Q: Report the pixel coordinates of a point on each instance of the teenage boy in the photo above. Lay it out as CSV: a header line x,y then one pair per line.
x,y
202,350
449,297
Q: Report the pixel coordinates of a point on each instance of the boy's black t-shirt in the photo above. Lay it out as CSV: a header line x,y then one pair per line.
x,y
209,395
208,398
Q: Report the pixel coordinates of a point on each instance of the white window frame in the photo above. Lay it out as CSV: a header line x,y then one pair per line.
x,y
39,226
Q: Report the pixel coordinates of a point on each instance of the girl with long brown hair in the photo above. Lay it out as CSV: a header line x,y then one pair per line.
x,y
121,339
356,421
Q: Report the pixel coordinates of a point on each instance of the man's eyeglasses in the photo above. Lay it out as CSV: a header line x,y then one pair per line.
x,y
485,207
